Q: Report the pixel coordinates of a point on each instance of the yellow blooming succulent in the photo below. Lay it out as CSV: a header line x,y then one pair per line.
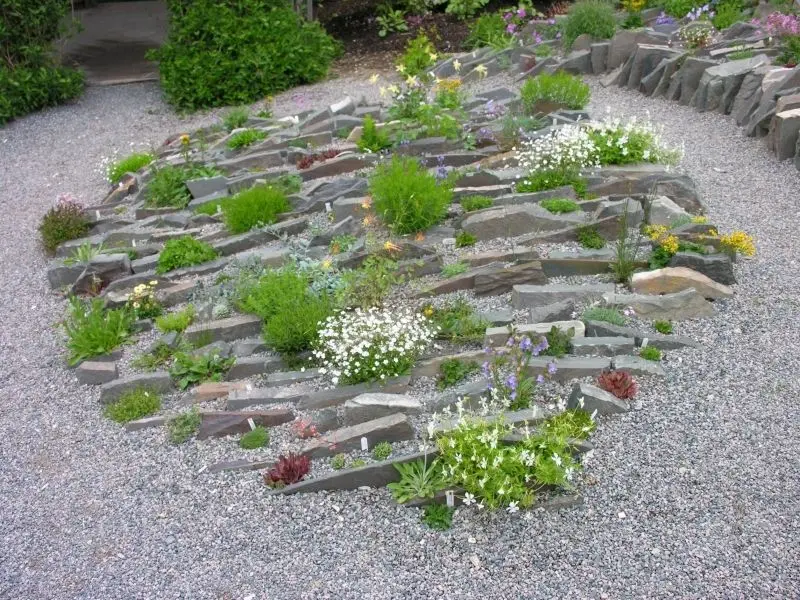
x,y
185,139
656,232
327,263
452,84
428,311
738,241
670,243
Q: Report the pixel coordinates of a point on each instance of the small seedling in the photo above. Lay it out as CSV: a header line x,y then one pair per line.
x,y
454,269
338,462
438,516
464,239
183,426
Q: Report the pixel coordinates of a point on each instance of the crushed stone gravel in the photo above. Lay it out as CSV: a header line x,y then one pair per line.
x,y
694,496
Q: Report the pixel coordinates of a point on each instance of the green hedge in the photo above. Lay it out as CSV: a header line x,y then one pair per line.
x,y
238,51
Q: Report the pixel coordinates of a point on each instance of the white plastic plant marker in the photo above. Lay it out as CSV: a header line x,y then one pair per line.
x,y
328,207
97,214
644,342
133,243
251,423
450,497
364,444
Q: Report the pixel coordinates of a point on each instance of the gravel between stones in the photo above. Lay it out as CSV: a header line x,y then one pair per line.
x,y
694,496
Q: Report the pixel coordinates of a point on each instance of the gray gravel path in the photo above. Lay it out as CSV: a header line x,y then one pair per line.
x,y
695,496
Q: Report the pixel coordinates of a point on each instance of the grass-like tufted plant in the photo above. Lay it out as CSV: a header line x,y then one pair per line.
x,y
559,205
257,206
129,164
246,138
559,88
594,17
92,330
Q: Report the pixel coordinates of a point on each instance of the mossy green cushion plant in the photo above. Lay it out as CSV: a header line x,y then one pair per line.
x,y
183,252
471,203
607,315
255,207
256,438
184,426
559,88
650,353
407,197
134,404
589,238
176,321
559,205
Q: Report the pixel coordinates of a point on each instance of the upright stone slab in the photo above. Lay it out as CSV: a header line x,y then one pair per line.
x,y
374,405
720,84
671,66
787,130
530,296
158,381
96,373
228,330
391,428
220,424
645,59
689,75
591,398
599,57
748,96
687,304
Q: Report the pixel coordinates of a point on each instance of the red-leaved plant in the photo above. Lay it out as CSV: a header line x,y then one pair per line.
x,y
620,383
288,470
306,161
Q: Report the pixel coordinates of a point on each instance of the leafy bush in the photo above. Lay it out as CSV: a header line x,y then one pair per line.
x,y
419,56
407,197
664,327
558,341
134,404
371,345
373,139
454,269
182,427
594,17
288,470
212,48
183,252
190,369
559,205
790,51
390,20
369,285
167,187
620,383
465,8
246,138
92,330
588,237
650,353
558,88
438,517
464,239
254,207
130,164
176,321
489,30
471,203
453,371
256,438
382,451
63,222
607,315
417,480
727,12
236,118
458,322
681,8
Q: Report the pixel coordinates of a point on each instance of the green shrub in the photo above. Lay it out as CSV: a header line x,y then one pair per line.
x,y
183,426
382,451
373,139
92,330
191,369
63,222
594,17
559,205
418,57
557,88
236,118
790,51
256,438
27,89
541,181
464,239
588,237
407,197
338,461
167,187
465,8
438,517
454,269
681,8
246,138
453,371
664,327
458,322
227,53
489,30
254,207
134,404
650,353
726,13
608,315
558,341
471,203
130,164
368,285
176,321
183,252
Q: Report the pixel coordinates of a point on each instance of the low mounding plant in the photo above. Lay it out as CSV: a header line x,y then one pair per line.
x,y
650,353
407,197
489,29
236,118
594,17
368,285
92,330
438,517
256,438
183,252
560,88
212,46
129,164
590,238
664,327
418,479
254,207
621,143
558,341
167,188
382,451
620,383
371,345
65,221
176,321
454,269
288,470
464,239
191,369
245,138
457,322
556,159
182,427
471,203
607,315
134,404
453,371
373,139
559,205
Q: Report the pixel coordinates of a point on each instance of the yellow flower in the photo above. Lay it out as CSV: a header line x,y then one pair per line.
x,y
391,246
185,139
367,221
655,232
428,311
740,242
366,204
326,264
670,244
412,80
457,65
393,89
400,69
382,91
713,232
433,56
154,282
374,79
699,219
481,70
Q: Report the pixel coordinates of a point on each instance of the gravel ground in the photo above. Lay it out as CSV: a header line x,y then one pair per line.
x,y
695,496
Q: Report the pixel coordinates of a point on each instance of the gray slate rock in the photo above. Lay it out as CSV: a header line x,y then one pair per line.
x,y
686,304
374,405
158,381
714,266
96,373
391,428
591,398
557,311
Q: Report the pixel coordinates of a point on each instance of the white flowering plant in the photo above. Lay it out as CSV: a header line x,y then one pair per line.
x,y
142,301
495,474
371,345
556,159
619,142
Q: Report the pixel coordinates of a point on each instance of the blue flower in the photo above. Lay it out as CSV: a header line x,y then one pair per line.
x,y
551,368
540,379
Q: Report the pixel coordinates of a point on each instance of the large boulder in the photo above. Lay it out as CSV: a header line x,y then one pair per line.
x,y
676,279
687,304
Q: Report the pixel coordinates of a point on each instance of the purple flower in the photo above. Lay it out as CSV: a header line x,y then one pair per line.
x,y
540,379
510,342
525,344
521,13
511,28
512,382
537,38
551,368
485,369
558,35
551,21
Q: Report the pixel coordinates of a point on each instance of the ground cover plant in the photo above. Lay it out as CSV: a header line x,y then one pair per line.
x,y
607,315
255,438
559,205
254,207
183,252
176,321
650,353
243,139
457,322
373,139
619,142
92,330
132,405
289,469
453,371
130,164
556,159
471,203
420,478
190,369
167,187
553,90
465,239
454,269
181,428
618,382
65,221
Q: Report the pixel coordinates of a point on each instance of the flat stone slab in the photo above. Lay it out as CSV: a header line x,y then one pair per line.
x,y
96,373
146,423
591,398
430,367
569,367
497,336
374,405
241,464
602,346
500,281
531,296
211,390
340,395
714,266
228,330
558,311
676,279
636,365
258,397
220,424
158,381
391,428
657,340
249,366
687,304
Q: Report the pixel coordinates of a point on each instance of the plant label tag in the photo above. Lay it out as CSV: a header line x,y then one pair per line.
x,y
251,423
364,444
97,215
328,207
644,342
451,498
219,208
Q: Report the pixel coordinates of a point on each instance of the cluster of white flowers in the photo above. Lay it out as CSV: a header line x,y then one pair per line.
x,y
369,345
566,148
633,139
